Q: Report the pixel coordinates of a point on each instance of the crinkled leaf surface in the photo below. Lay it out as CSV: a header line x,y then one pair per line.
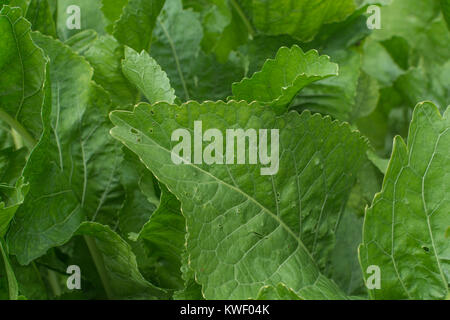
x,y
405,226
73,171
282,78
258,230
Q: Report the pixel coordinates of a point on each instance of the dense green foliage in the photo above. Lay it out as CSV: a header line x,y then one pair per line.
x,y
87,178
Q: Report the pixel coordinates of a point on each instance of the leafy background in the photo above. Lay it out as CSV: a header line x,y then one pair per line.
x,y
86,177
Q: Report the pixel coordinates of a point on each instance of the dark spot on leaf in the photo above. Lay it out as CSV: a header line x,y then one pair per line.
x,y
134,131
426,249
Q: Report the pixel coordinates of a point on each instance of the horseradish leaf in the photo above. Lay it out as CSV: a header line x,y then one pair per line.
x,y
280,79
243,223
404,229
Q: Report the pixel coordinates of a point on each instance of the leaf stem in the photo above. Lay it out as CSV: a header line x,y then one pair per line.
x,y
99,265
15,125
18,142
53,282
241,14
12,282
177,61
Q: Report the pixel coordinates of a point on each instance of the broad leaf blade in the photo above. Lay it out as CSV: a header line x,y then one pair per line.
x,y
405,226
73,170
239,220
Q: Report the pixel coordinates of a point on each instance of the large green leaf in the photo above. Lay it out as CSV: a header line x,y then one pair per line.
x,y
256,229
405,226
72,172
145,73
135,26
300,18
22,65
282,78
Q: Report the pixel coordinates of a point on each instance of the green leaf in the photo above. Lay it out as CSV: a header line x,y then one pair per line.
x,y
40,16
426,83
91,17
164,238
278,292
445,5
421,25
121,273
223,26
405,226
344,266
177,42
282,78
22,65
13,197
13,287
141,198
192,73
238,219
72,172
112,9
301,19
105,55
349,96
145,73
135,26
379,162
